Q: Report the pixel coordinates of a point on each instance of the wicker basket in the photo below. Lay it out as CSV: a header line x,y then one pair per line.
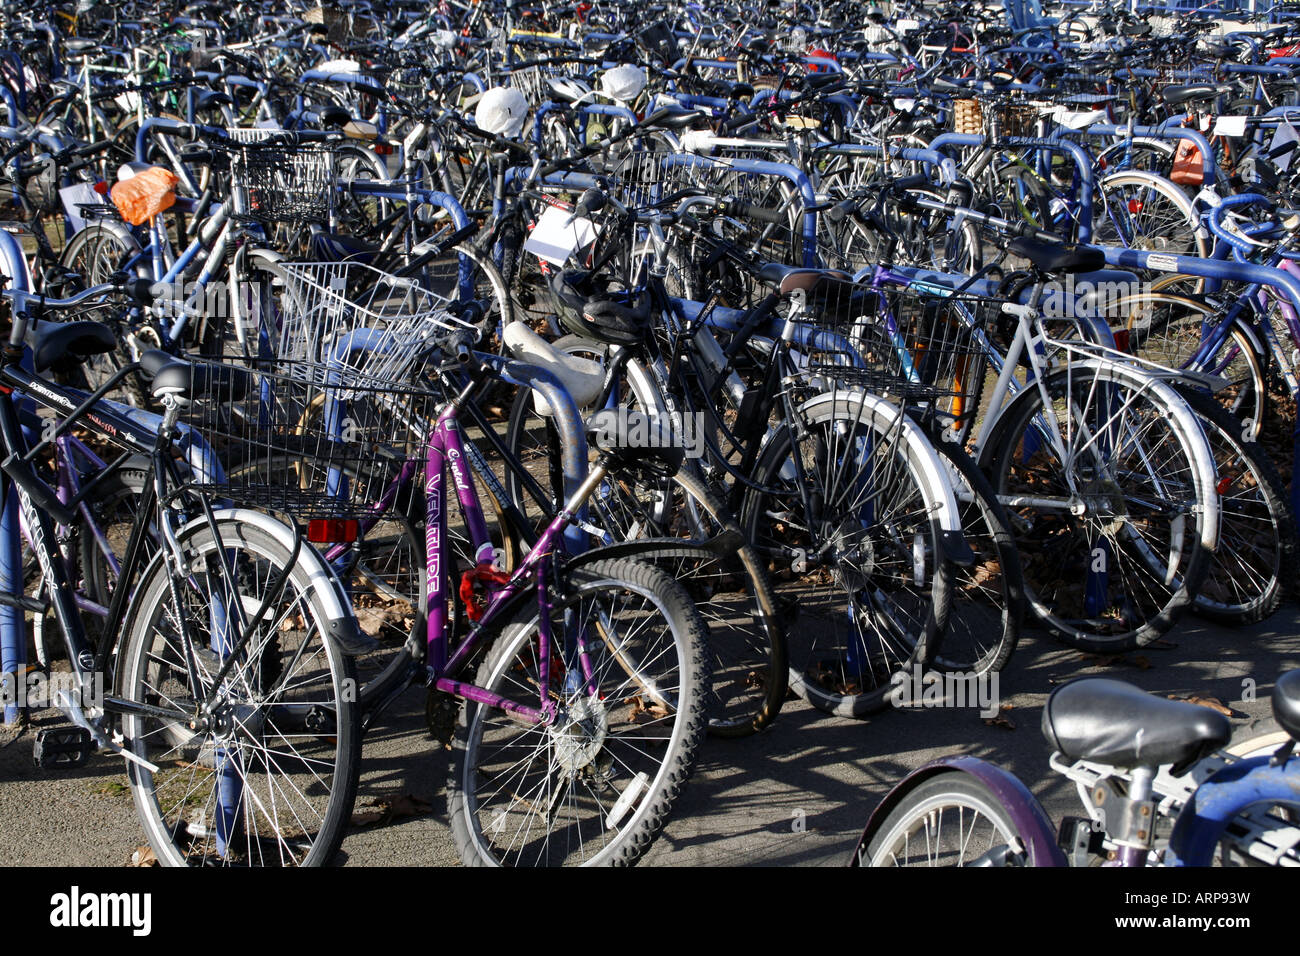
x,y
968,117
1018,119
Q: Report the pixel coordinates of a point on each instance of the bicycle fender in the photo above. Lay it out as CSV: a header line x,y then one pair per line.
x,y
1025,810
933,470
1224,795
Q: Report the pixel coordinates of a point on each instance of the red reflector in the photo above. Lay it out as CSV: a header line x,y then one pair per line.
x,y
382,149
1223,485
1101,161
1135,206
332,530
101,188
1121,340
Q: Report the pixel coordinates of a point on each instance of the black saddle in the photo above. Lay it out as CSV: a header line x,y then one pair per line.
x,y
62,346
1059,257
636,441
1174,95
1117,724
170,375
1286,702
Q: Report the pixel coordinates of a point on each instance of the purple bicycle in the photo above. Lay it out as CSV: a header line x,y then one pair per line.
x,y
576,682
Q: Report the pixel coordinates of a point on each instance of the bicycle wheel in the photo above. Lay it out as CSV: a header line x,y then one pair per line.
x,y
987,605
852,536
595,784
1168,328
268,778
1140,210
952,819
730,587
113,505
1109,522
96,253
1253,568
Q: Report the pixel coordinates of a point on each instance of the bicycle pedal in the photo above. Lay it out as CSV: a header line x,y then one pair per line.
x,y
62,748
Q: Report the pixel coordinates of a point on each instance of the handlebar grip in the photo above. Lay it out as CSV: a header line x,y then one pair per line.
x,y
424,258
761,213
738,121
42,495
909,182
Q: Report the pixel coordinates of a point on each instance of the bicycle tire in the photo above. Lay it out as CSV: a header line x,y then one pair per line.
x,y
1253,569
563,748
313,716
897,594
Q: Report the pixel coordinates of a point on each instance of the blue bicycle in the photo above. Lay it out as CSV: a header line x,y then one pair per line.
x,y
1157,789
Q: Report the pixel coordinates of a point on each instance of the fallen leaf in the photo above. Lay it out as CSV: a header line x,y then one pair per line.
x,y
1213,703
387,809
1001,720
143,856
407,805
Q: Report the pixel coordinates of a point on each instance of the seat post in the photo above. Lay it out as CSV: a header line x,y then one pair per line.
x,y
1134,832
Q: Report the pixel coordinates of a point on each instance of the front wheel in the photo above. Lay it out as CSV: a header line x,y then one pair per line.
x,y
952,819
594,783
1107,482
269,776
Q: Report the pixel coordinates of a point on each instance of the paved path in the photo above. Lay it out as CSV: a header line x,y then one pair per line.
x,y
798,794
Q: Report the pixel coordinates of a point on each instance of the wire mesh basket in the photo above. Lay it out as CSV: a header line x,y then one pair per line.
x,y
1016,119
347,317
335,446
291,183
910,346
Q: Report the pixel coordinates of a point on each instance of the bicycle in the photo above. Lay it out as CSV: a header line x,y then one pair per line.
x,y
241,738
1154,790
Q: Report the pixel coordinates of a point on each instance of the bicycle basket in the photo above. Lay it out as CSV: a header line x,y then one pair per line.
x,y
1018,119
291,184
312,445
910,346
332,316
967,117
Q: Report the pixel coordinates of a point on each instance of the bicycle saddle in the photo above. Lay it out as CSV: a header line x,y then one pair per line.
x,y
1116,724
582,378
1059,257
337,247
635,441
62,346
1195,91
787,279
187,381
1286,702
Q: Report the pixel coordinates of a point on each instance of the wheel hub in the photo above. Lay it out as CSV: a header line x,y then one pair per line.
x,y
1104,504
579,733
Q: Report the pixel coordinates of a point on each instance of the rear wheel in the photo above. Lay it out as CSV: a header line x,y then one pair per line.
x,y
854,549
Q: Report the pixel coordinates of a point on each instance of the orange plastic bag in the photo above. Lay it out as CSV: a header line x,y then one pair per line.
x,y
1189,165
145,194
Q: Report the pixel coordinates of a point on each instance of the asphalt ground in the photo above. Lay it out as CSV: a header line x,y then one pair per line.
x,y
798,794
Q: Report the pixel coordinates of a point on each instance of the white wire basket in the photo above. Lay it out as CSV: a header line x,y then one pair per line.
x,y
347,318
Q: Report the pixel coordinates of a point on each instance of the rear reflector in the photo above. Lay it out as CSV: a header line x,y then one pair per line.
x,y
332,530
